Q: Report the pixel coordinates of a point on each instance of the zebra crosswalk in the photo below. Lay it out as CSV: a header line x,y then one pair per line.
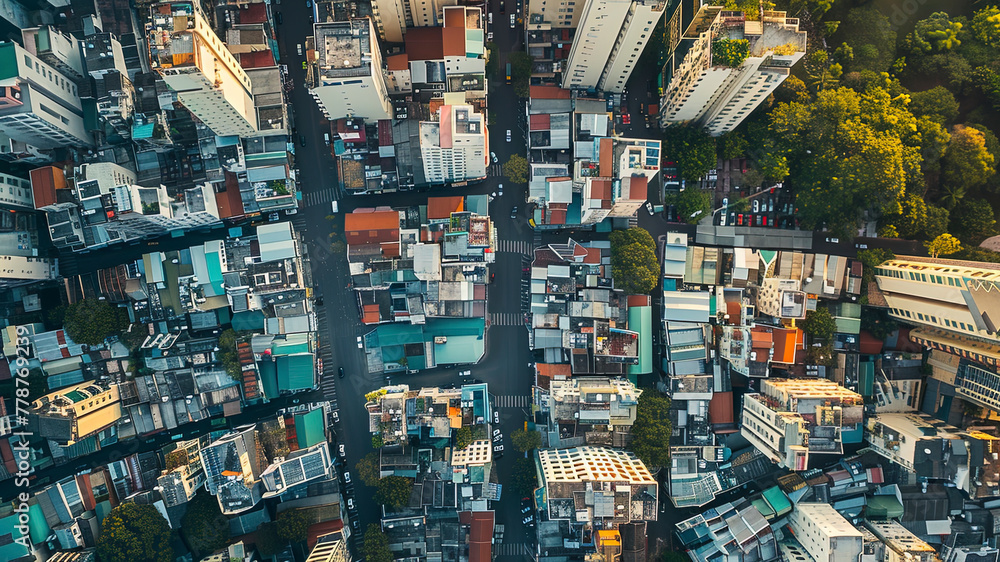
x,y
494,171
516,246
506,319
511,401
323,196
512,549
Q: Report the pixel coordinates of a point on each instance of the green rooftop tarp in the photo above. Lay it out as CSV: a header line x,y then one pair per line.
x,y
248,320
640,319
293,343
38,528
763,508
884,507
309,428
268,378
296,372
866,378
8,528
777,500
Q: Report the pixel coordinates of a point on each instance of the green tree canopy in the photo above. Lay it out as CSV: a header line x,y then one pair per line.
x,y
819,324
943,245
91,321
524,440
974,221
634,265
936,33
394,491
870,259
268,542
912,219
368,469
872,38
463,437
937,103
934,139
516,169
986,26
376,545
937,222
228,355
692,149
693,204
848,153
520,72
651,430
732,144
966,164
523,477
293,525
134,532
204,525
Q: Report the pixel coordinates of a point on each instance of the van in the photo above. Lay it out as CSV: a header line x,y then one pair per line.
x,y
326,138
334,207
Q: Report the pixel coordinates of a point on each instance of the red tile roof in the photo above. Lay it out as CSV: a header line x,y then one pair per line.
x,y
593,256
230,202
256,59
553,370
371,227
606,156
638,300
424,43
638,187
600,188
254,13
557,213
371,314
44,183
481,536
546,92
869,344
454,17
539,122
720,411
398,62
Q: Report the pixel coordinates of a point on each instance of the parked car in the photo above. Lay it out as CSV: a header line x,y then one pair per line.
x,y
496,432
493,155
336,416
302,138
277,18
497,448
512,21
508,135
529,520
756,205
340,372
496,417
341,451
350,504
360,344
347,477
649,207
833,240
513,212
465,373
499,190
298,47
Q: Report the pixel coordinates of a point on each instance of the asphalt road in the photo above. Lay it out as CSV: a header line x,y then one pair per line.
x,y
504,366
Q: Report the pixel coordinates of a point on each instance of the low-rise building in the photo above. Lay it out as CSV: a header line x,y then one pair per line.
x,y
825,534
72,413
588,411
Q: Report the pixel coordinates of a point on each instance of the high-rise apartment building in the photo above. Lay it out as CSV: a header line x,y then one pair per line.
x,y
453,146
825,534
39,105
345,75
793,418
627,25
205,75
297,468
730,64
392,17
554,13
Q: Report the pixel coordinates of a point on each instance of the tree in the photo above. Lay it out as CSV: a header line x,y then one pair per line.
x,y
870,259
516,169
176,458
377,441
937,103
204,526
693,204
268,541
393,491
912,217
934,139
520,72
974,221
936,33
523,477
948,69
819,324
731,145
792,89
693,150
871,36
368,469
974,253
848,153
376,545
986,26
634,266
943,245
651,430
492,60
525,440
937,222
966,163
293,525
876,321
228,356
134,532
91,321
463,437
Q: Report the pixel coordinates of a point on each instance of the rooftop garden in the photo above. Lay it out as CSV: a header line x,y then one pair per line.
x,y
730,52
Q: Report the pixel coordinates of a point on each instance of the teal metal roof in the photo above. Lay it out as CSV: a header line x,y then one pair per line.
x,y
777,500
38,528
8,526
248,320
866,378
296,372
268,372
143,131
293,343
640,319
309,428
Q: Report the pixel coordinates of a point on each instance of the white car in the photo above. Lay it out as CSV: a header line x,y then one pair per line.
x,y
360,345
508,135
498,448
341,451
489,18
493,155
336,416
347,478
496,433
499,190
299,48
350,504
649,207
464,373
496,417
756,206
725,202
833,240
512,21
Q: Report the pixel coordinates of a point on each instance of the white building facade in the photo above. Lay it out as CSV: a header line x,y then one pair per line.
x,y
453,148
346,78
